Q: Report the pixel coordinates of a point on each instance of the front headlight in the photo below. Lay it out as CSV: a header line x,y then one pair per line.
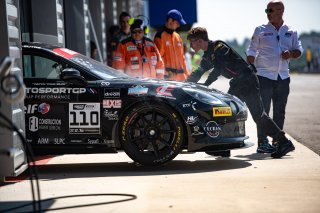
x,y
202,96
234,107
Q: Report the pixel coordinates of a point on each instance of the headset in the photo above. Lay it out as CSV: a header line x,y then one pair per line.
x,y
145,23
11,85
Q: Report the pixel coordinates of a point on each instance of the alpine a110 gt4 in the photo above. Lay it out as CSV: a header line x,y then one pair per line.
x,y
75,104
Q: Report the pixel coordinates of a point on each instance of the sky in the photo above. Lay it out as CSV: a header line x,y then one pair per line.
x,y
237,19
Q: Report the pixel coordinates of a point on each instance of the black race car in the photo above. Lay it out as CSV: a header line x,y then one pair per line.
x,y
75,104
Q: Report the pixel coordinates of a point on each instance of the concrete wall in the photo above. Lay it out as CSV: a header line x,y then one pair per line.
x,y
10,46
77,26
98,28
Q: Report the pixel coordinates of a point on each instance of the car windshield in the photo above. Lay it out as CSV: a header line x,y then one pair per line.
x,y
98,68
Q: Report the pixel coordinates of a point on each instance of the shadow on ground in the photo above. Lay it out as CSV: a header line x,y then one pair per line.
x,y
116,169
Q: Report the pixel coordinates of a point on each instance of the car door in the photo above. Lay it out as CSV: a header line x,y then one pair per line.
x,y
46,102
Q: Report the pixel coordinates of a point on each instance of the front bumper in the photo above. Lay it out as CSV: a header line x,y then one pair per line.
x,y
213,136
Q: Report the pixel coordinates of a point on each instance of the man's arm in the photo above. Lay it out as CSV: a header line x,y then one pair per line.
x,y
250,59
296,50
290,54
212,77
253,47
218,59
196,75
205,65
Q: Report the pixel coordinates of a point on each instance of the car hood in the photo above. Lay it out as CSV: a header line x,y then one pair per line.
x,y
177,84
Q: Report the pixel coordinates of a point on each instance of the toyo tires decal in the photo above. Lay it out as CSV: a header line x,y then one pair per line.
x,y
124,127
178,138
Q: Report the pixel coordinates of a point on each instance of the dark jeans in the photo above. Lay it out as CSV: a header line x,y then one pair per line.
x,y
277,92
247,89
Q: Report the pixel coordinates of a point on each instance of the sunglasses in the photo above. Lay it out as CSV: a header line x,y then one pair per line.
x,y
194,40
137,31
268,11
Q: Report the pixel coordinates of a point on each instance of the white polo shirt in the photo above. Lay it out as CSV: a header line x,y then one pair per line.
x,y
266,46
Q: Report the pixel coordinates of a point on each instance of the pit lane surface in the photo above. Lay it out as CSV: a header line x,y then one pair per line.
x,y
303,109
245,182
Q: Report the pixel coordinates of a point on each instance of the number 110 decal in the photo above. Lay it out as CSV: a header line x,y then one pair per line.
x,y
84,118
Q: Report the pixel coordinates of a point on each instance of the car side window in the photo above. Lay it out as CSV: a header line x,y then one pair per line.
x,y
40,67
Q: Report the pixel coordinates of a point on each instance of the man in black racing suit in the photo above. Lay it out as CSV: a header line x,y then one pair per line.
x,y
243,84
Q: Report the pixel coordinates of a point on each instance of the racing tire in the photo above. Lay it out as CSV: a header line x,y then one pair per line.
x,y
151,133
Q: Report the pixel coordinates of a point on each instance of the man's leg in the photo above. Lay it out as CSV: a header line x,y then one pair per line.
x,y
247,89
266,91
280,99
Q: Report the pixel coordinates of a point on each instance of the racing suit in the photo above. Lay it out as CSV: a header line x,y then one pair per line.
x,y
170,46
244,82
137,60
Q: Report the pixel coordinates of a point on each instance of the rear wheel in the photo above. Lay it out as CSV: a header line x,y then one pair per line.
x,y
151,133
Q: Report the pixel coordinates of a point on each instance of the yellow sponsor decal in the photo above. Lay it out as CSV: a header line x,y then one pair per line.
x,y
217,46
175,146
123,129
222,111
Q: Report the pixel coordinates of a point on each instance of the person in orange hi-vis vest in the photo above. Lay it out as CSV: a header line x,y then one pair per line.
x,y
138,56
171,49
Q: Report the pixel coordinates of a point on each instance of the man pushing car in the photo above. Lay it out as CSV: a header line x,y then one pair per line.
x,y
244,82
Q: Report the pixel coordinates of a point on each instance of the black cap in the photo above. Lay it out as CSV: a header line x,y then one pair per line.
x,y
137,24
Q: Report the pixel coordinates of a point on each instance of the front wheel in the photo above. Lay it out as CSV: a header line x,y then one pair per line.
x,y
151,133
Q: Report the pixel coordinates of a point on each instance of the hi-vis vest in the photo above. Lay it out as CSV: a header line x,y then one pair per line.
x,y
144,63
170,46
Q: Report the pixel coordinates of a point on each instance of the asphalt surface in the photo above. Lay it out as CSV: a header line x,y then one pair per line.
x,y
246,182
195,182
303,110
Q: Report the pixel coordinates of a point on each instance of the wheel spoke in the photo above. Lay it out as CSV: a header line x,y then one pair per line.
x,y
143,145
144,119
155,148
163,141
169,131
153,119
160,123
138,138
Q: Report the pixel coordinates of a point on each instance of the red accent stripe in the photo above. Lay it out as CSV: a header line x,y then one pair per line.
x,y
65,52
231,71
39,160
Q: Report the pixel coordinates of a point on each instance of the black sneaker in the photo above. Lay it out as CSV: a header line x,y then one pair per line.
x,y
282,148
265,147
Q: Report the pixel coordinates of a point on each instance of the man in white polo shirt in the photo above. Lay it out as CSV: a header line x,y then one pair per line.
x,y
271,48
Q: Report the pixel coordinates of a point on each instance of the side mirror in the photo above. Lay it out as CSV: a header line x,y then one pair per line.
x,y
73,76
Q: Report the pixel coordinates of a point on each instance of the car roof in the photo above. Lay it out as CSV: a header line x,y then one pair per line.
x,y
39,45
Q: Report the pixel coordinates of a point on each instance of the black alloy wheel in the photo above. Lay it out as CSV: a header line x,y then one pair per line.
x,y
151,133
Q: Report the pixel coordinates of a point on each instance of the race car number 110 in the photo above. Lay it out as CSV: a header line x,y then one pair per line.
x,y
84,118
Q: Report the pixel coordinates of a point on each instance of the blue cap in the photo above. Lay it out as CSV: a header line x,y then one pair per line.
x,y
176,15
